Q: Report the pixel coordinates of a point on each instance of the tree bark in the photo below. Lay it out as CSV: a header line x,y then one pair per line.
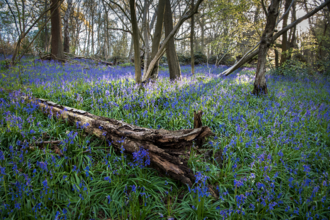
x,y
168,150
92,27
198,124
157,37
145,33
260,86
66,27
135,36
56,31
276,58
192,24
285,34
172,58
46,42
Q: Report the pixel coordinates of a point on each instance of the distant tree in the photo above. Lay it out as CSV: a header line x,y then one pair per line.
x,y
285,35
56,31
172,57
66,27
157,37
135,35
192,24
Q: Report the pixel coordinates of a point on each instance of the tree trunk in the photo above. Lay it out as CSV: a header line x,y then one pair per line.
x,y
276,58
66,27
136,38
56,31
89,32
131,52
92,31
157,37
98,34
202,23
292,35
168,150
260,86
46,42
285,34
172,58
192,24
145,33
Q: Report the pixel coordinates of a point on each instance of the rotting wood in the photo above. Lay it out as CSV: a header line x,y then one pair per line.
x,y
168,150
198,124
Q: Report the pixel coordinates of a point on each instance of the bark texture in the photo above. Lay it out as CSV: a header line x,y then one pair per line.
x,y
260,86
192,24
164,146
198,124
157,37
145,33
285,34
172,58
66,27
56,31
135,35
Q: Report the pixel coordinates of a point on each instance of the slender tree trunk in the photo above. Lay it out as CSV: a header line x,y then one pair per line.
x,y
260,86
145,33
89,34
136,38
292,37
285,34
56,30
92,31
202,23
131,50
276,58
192,24
172,58
23,15
98,33
86,34
46,42
66,27
157,37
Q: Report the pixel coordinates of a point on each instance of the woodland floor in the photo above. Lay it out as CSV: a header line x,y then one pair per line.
x,y
275,148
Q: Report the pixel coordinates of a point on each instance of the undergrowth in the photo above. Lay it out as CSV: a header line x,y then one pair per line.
x,y
275,148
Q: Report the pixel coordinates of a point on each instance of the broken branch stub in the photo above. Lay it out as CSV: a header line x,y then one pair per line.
x,y
168,150
198,124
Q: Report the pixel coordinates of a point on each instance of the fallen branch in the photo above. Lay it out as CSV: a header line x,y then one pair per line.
x,y
97,60
168,150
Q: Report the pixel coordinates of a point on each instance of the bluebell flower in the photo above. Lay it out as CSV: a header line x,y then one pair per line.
x,y
133,188
107,178
108,199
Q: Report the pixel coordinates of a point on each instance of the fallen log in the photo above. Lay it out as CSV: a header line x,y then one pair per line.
x,y
168,150
97,60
